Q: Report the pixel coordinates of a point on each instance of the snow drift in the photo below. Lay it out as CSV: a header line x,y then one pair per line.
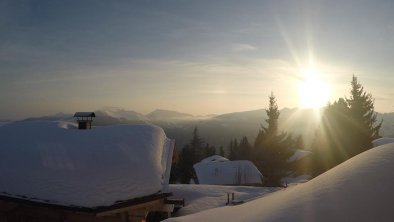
x,y
220,171
199,197
360,189
382,141
55,163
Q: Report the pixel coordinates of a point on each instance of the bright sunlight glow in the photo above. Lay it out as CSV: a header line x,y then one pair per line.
x,y
312,91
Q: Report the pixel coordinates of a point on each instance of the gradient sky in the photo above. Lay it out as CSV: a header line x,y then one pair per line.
x,y
200,57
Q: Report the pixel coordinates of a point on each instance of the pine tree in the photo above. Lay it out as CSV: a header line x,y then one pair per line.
x,y
347,128
185,165
332,139
272,149
197,145
193,152
273,117
362,116
233,150
209,151
221,151
244,150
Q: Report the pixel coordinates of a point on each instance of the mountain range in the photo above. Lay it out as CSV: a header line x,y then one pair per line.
x,y
218,130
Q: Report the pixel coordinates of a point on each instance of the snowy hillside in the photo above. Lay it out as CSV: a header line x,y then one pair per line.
x,y
361,189
55,163
382,141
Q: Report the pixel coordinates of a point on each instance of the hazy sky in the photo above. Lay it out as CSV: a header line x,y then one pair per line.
x,y
200,57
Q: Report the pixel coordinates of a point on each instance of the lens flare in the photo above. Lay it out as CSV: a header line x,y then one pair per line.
x,y
312,91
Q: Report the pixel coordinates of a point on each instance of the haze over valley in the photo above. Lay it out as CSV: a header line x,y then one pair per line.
x,y
217,130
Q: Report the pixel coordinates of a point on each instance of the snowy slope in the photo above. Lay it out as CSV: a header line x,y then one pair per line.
x,y
56,163
361,189
199,197
220,171
382,141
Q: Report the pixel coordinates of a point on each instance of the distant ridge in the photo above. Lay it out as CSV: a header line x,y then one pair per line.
x,y
163,115
220,129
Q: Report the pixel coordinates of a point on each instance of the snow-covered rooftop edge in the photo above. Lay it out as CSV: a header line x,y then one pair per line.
x,y
55,163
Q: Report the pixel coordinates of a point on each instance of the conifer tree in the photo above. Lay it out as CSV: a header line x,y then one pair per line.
x,y
244,150
241,151
362,116
272,149
221,151
197,145
190,154
233,147
193,152
347,128
185,165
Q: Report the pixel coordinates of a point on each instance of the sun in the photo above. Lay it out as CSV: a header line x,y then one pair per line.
x,y
312,91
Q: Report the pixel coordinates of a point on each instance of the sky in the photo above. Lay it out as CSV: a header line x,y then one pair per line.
x,y
199,57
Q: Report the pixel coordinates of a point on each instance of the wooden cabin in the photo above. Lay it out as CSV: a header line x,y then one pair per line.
x,y
149,208
111,174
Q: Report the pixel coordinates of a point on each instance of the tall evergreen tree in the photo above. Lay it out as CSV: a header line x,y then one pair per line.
x,y
347,128
193,152
185,164
272,149
221,151
241,151
233,147
209,151
244,151
197,145
362,116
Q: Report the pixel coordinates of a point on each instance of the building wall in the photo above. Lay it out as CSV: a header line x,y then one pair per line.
x,y
16,212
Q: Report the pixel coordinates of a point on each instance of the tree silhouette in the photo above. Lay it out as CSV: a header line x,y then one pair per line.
x,y
347,128
272,149
241,151
193,152
362,117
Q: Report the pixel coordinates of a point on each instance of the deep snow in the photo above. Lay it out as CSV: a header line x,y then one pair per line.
x,y
199,197
382,141
360,189
56,163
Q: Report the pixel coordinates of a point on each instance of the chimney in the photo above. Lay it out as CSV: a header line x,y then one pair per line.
x,y
84,119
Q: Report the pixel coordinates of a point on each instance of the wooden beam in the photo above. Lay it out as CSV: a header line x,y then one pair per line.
x,y
147,205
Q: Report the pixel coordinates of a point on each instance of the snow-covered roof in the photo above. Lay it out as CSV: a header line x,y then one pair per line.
x,y
298,154
84,114
214,158
219,170
55,163
360,189
382,141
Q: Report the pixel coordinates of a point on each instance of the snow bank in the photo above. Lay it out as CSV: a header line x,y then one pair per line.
x,y
382,141
201,197
56,163
220,171
361,189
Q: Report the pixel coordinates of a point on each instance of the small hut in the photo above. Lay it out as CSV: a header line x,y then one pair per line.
x,y
84,119
218,170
